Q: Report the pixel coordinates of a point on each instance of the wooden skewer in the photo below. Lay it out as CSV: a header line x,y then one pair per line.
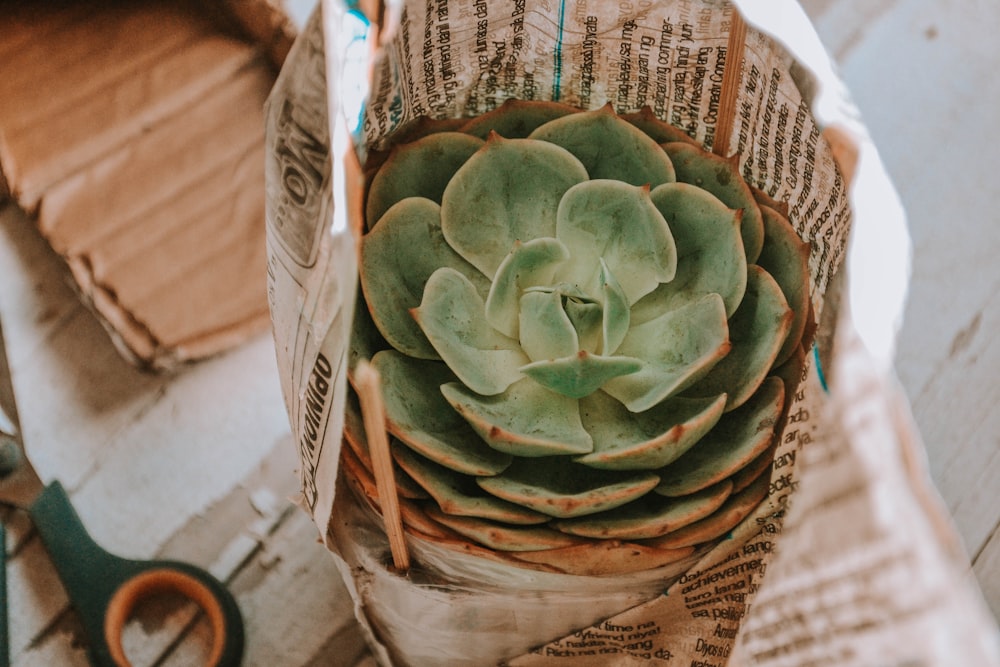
x,y
730,83
367,382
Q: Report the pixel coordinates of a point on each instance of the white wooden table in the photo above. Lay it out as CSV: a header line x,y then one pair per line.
x,y
923,73
199,465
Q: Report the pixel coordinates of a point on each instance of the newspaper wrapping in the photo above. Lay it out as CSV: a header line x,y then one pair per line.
x,y
861,567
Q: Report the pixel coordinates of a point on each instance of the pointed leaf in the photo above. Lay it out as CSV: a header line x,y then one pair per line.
x,y
516,119
599,558
616,316
676,349
587,317
419,416
560,488
459,494
546,330
422,127
619,223
757,331
405,173
710,255
734,443
397,258
736,508
609,147
452,316
528,264
659,131
649,516
358,474
786,257
647,440
508,191
581,374
722,178
356,439
759,467
500,537
525,420
790,372
365,337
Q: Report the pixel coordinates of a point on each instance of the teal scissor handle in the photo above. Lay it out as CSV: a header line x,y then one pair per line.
x,y
104,588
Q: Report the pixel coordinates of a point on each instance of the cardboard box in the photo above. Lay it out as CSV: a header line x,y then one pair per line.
x,y
133,134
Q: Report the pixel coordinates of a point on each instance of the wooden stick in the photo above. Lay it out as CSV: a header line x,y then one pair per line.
x,y
373,411
730,84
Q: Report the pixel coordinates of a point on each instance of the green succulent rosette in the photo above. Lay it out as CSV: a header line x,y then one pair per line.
x,y
581,321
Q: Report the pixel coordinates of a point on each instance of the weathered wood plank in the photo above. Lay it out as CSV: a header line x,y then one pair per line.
x,y
196,465
36,601
843,24
223,537
917,71
174,462
297,610
961,408
987,570
35,293
206,432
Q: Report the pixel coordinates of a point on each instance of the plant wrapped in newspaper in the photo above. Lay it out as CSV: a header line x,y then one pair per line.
x,y
581,321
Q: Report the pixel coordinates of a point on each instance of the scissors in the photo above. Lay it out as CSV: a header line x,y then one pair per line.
x,y
103,588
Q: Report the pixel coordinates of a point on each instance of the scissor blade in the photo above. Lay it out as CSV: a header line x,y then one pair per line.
x,y
19,483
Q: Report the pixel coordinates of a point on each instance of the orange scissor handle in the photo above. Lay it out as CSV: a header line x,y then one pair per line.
x,y
105,589
155,581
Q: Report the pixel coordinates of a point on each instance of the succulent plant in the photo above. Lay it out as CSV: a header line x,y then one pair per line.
x,y
582,322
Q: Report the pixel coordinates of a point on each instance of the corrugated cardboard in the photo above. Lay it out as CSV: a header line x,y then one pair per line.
x,y
133,133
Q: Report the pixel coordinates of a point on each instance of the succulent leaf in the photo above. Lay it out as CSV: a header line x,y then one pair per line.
x,y
365,339
757,331
616,222
559,488
596,559
649,516
616,317
722,178
710,256
738,438
588,319
502,537
609,148
580,374
508,191
453,317
418,415
790,372
746,475
625,440
676,349
527,265
736,508
405,173
357,441
459,494
526,420
515,119
397,258
656,129
786,257
546,330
